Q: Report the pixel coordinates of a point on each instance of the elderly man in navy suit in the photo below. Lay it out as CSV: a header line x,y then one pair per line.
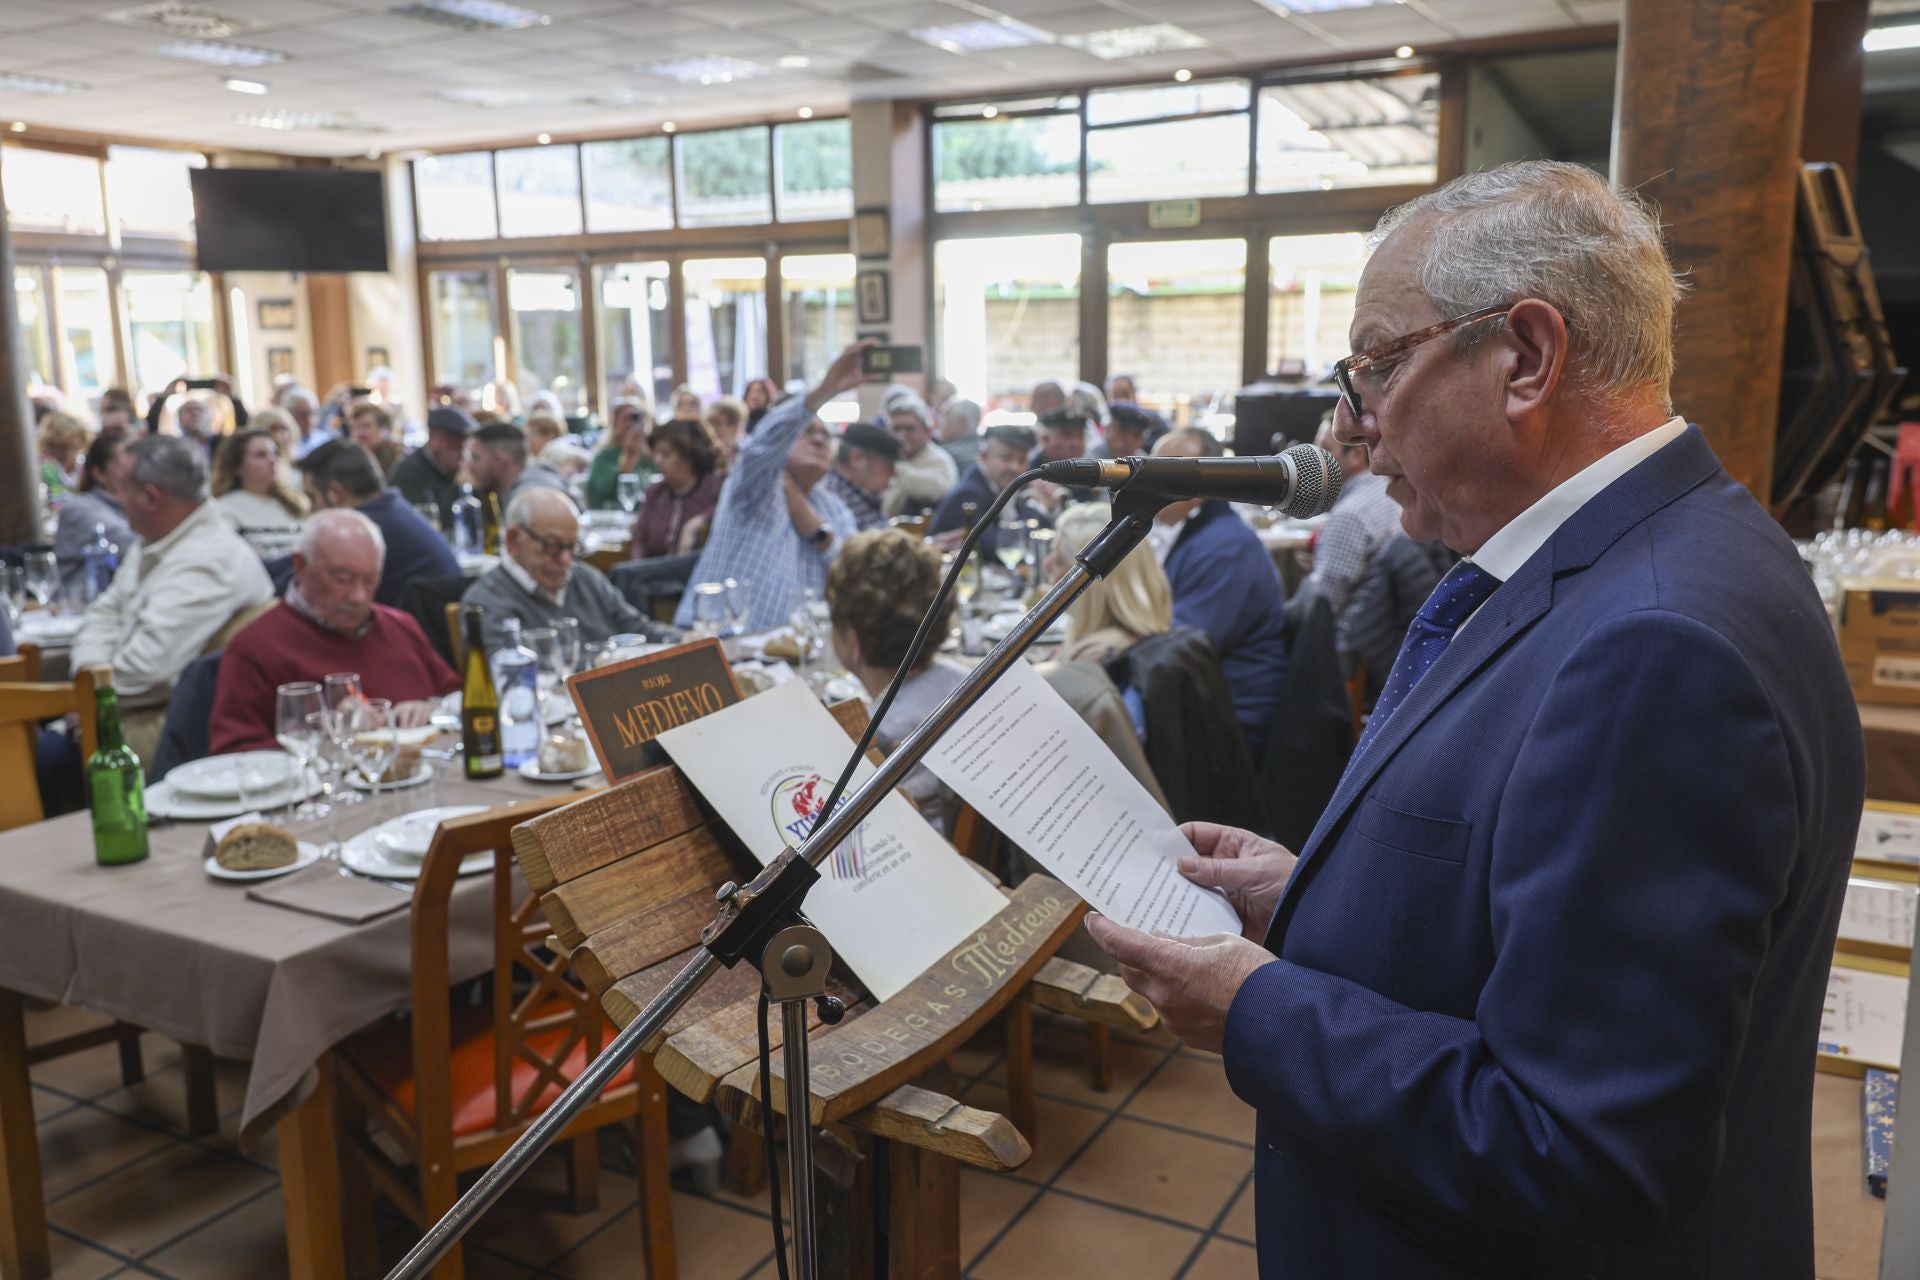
x,y
1539,996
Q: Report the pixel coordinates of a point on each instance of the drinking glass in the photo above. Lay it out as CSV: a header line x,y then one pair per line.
x,y
295,726
1010,546
257,788
374,746
545,643
711,614
567,632
342,693
330,759
13,593
42,577
628,491
738,606
806,631
430,512
596,653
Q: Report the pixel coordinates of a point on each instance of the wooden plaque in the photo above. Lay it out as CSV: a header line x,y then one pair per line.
x,y
629,704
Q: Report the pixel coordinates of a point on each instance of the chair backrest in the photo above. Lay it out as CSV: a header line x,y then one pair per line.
x,y
22,707
185,733
1312,731
652,586
23,666
233,626
1193,740
527,979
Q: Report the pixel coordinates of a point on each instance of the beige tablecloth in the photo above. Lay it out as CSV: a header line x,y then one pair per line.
x,y
164,946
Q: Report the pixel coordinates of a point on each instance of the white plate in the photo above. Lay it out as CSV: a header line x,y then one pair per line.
x,y
369,859
554,708
39,626
409,835
218,777
531,772
309,854
421,776
164,802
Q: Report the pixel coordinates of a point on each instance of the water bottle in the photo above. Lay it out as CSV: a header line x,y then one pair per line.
x,y
466,523
516,677
99,560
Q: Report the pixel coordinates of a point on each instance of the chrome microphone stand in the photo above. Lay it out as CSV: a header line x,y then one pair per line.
x,y
761,922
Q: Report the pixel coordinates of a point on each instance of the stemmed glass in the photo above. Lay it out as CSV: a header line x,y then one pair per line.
x,y
627,489
297,710
332,759
737,607
13,593
566,633
545,643
711,613
1010,545
343,694
42,577
806,632
374,740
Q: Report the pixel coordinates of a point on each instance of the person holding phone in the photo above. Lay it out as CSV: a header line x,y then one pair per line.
x,y
219,383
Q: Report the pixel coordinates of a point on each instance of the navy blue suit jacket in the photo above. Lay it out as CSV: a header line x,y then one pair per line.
x,y
1551,964
1225,583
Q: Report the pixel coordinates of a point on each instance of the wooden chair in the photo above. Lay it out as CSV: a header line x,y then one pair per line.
x,y
454,1088
23,666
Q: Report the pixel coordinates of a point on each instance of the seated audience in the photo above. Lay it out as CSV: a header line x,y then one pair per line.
x,y
1225,584
250,491
539,579
304,408
341,475
727,419
501,467
775,530
1063,437
545,404
371,427
117,416
176,589
1085,399
939,396
686,402
95,506
194,416
960,430
431,473
1364,519
1127,431
63,441
622,452
924,471
678,506
759,397
878,589
1122,389
1116,612
1003,456
328,622
542,430
569,459
1047,397
278,423
862,470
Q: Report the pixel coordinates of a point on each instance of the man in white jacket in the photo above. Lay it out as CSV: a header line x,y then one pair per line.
x,y
189,576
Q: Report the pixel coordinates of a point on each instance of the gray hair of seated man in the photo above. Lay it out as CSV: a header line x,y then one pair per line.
x,y
338,519
174,465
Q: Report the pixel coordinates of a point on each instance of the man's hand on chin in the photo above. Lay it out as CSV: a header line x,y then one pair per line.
x,y
1191,981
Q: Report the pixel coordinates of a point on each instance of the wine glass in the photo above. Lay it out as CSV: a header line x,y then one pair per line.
x,y
627,488
1010,545
342,695
738,607
42,577
711,615
13,593
566,633
806,632
371,735
330,759
430,512
545,643
297,707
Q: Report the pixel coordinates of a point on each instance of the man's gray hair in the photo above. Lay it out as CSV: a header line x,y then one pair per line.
x,y
965,412
340,518
174,465
521,510
1558,232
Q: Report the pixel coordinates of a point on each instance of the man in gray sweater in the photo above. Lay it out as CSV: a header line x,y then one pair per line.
x,y
539,582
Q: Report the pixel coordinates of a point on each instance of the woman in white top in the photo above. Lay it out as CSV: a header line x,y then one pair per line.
x,y
250,491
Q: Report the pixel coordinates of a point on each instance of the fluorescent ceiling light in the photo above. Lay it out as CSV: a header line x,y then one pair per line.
x,y
619,98
219,53
186,20
1134,42
13,82
793,62
711,70
245,86
330,121
981,36
1880,39
471,15
492,99
1322,6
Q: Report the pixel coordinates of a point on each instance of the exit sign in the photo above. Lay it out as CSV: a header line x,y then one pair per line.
x,y
1173,213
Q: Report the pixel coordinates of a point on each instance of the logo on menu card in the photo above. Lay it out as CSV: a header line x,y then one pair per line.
x,y
798,800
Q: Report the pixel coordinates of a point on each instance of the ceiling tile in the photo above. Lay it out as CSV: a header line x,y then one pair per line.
x,y
739,13
1378,25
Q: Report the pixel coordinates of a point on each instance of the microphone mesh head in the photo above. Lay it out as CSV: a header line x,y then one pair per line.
x,y
1316,481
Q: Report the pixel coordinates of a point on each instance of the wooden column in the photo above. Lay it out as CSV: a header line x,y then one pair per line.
x,y
331,317
1836,73
1707,125
19,496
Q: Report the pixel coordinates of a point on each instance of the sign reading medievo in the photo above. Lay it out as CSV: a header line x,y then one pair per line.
x,y
629,704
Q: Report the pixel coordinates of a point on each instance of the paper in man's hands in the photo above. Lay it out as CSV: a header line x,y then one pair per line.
x,y
1040,775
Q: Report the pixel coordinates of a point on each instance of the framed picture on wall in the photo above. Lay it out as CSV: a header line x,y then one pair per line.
x,y
276,313
872,237
279,362
377,358
873,297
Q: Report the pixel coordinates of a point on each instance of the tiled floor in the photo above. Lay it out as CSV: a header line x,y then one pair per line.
x,y
1146,1182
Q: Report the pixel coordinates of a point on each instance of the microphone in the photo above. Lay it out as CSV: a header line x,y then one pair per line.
x,y
1301,482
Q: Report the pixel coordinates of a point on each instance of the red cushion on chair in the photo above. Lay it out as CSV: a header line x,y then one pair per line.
x,y
385,1054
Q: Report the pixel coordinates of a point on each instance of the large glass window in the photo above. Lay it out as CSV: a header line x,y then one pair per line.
x,y
539,191
1007,316
455,195
86,357
726,323
635,327
52,191
629,184
816,305
1350,133
724,178
150,192
1310,307
460,306
814,162
549,352
999,161
1175,320
30,305
169,327
1173,158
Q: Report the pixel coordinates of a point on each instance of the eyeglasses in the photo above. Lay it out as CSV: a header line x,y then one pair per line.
x,y
1375,357
555,547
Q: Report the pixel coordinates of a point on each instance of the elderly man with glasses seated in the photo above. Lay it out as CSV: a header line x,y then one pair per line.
x,y
540,579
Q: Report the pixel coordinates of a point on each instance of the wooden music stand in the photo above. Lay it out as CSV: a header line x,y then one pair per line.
x,y
627,878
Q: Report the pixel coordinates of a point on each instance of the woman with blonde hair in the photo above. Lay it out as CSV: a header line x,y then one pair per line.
x,y
727,419
63,439
250,491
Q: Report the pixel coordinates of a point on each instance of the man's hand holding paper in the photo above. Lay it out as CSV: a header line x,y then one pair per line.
x,y
1191,981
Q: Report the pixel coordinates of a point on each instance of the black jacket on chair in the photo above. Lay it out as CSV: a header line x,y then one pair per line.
x,y
1403,574
1193,741
1312,733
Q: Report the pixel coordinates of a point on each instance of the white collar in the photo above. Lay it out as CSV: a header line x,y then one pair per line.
x,y
1504,553
528,585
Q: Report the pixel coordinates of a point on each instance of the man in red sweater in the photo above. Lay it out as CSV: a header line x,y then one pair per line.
x,y
328,622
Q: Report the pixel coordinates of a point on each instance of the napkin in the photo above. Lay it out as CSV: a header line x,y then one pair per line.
x,y
321,890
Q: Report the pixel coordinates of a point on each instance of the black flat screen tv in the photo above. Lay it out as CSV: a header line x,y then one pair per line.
x,y
326,220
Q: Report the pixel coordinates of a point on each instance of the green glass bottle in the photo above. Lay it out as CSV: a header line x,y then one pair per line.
x,y
116,789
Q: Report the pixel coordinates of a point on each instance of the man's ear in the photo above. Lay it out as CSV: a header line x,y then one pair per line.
x,y
1536,336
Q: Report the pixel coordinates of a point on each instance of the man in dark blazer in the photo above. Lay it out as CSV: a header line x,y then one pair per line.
x,y
1540,996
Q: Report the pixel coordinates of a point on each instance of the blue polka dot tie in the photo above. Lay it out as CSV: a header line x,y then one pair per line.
x,y
1463,590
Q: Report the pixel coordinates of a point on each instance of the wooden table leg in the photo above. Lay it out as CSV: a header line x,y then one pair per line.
x,y
23,1209
310,1184
923,1214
